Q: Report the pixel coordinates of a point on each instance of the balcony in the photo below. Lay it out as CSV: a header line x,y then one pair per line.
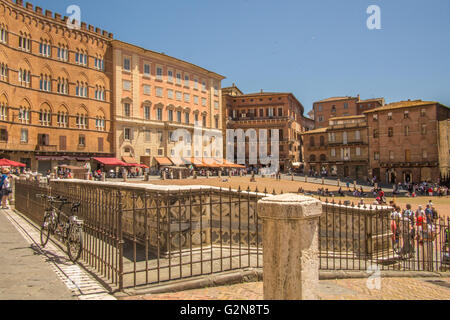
x,y
48,148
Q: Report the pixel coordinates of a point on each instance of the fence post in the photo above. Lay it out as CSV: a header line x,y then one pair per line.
x,y
291,244
121,242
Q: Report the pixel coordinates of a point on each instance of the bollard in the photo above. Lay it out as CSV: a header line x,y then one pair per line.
x,y
306,178
323,180
291,243
104,176
292,177
338,182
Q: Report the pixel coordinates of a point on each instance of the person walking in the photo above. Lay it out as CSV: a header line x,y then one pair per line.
x,y
5,187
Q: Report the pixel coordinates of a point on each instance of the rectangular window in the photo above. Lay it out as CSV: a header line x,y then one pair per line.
x,y
345,105
178,78
358,151
127,64
195,83
127,134
195,99
147,89
187,97
147,69
159,92
126,85
376,156
203,86
424,129
186,80
390,116
357,135
406,130
148,136
178,95
391,155
147,112
127,109
169,76
375,133
390,132
424,154
204,102
216,104
62,143
159,114
24,135
186,118
100,144
81,140
333,153
170,115
169,93
159,73
179,116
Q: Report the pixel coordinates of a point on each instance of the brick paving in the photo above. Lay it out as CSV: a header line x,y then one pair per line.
x,y
346,289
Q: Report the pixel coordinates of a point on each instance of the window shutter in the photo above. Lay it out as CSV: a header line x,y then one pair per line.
x,y
62,142
100,144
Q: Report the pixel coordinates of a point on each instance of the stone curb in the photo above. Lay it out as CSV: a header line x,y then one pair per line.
x,y
256,275
222,279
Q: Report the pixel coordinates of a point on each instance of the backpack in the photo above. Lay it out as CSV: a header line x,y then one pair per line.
x,y
2,181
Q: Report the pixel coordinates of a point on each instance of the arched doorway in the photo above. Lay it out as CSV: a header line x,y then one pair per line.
x,y
407,176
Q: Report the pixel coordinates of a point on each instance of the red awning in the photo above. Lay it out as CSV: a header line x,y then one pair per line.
x,y
10,163
111,162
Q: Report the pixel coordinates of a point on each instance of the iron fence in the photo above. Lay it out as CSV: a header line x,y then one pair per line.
x,y
136,235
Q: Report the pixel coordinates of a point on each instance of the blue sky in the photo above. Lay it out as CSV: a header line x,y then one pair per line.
x,y
314,49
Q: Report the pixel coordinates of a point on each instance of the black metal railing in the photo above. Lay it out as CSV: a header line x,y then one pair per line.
x,y
137,235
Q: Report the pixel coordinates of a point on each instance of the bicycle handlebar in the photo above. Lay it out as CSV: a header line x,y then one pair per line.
x,y
59,199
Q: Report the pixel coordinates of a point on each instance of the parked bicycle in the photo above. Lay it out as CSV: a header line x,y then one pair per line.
x,y
69,232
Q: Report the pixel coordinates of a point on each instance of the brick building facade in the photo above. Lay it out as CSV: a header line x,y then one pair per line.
x,y
269,111
409,141
334,107
55,88
341,149
406,141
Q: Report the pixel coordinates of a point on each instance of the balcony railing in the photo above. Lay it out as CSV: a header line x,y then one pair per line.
x,y
47,148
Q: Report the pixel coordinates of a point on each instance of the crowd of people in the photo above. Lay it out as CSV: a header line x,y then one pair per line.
x,y
411,228
422,189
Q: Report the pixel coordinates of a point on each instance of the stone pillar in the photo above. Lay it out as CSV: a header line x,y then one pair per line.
x,y
291,246
125,175
103,176
338,182
323,180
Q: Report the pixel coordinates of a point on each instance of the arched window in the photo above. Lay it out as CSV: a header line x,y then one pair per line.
x,y
312,158
3,72
323,157
3,33
45,115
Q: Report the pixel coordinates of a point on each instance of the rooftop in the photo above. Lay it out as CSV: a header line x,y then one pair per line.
x,y
403,104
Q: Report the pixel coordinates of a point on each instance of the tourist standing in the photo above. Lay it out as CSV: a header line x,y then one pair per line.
x,y
5,187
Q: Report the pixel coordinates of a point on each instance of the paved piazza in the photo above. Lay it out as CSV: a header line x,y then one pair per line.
x,y
347,289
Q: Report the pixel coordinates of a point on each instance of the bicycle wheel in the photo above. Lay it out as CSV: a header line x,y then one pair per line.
x,y
75,243
46,229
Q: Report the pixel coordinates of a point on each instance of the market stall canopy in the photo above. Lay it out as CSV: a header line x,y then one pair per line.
x,y
10,163
178,161
129,160
229,164
111,162
297,164
164,161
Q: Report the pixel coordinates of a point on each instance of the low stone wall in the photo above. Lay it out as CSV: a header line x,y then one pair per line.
x,y
171,219
359,230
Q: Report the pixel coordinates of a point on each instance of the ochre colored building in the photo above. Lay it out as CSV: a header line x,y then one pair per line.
x,y
55,88
155,95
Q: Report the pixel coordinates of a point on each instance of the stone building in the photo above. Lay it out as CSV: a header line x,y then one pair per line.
x,y
270,111
55,93
409,141
155,95
341,149
334,107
